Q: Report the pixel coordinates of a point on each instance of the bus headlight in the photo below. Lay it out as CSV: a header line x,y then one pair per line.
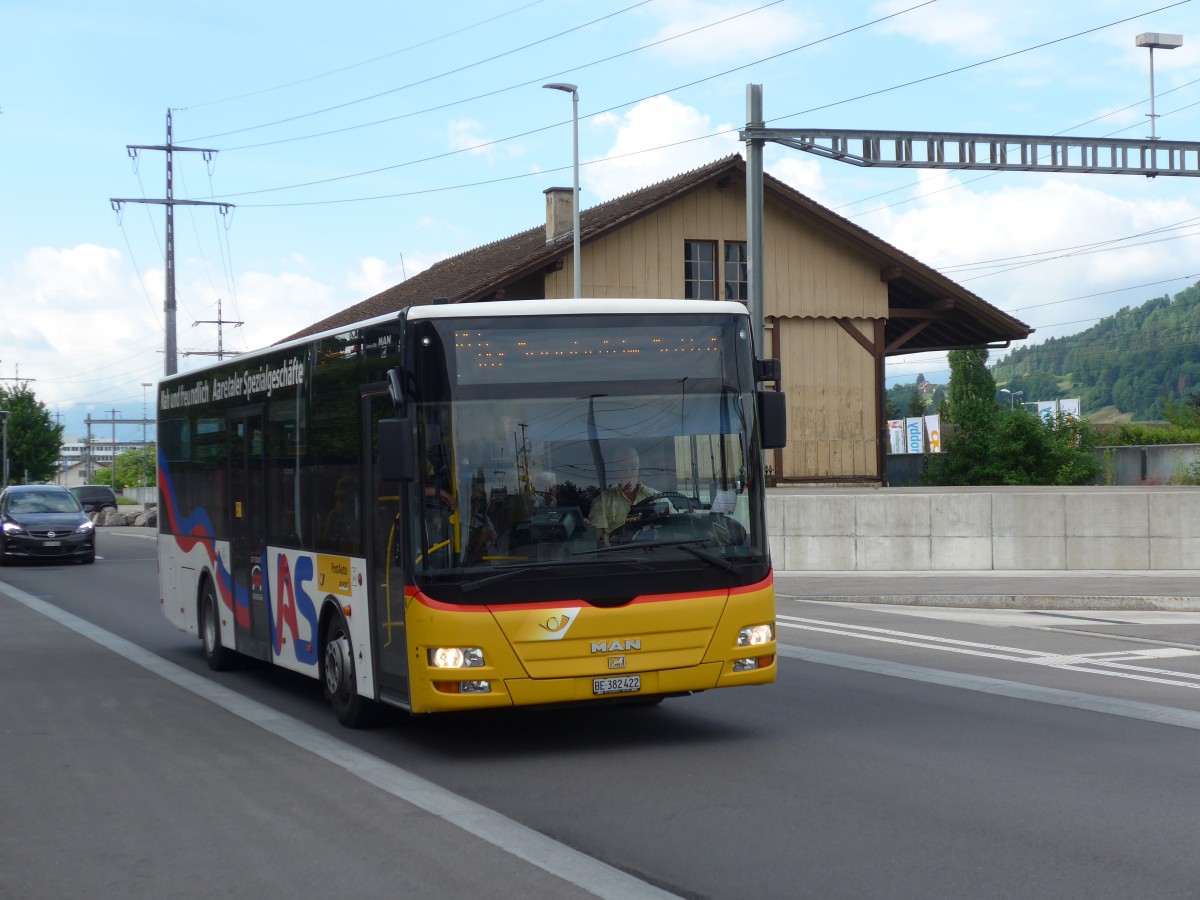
x,y
754,635
455,657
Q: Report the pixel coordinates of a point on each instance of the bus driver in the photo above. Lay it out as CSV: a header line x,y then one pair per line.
x,y
611,507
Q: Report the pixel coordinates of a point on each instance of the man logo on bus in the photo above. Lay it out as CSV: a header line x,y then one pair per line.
x,y
616,646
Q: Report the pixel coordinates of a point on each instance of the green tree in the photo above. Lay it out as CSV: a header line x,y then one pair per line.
x,y
917,404
993,444
34,440
133,468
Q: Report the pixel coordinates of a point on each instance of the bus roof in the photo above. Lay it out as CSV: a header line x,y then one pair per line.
x,y
501,308
571,307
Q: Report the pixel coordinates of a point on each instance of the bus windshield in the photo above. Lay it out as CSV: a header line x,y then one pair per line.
x,y
552,450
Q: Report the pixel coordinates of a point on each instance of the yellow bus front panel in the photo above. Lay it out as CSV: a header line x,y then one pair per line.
x,y
473,657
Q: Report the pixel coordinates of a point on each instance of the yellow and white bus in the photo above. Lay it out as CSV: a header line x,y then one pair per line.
x,y
464,506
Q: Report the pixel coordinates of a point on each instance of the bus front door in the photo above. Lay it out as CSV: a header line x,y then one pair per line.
x,y
386,534
247,544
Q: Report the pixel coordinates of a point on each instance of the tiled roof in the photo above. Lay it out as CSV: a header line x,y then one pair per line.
x,y
477,274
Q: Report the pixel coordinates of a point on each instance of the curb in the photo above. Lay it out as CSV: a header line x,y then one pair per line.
x,y
1017,601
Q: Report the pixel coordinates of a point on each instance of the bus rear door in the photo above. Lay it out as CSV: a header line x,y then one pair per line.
x,y
247,544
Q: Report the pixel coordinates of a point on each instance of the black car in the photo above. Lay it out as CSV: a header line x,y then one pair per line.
x,y
44,521
94,497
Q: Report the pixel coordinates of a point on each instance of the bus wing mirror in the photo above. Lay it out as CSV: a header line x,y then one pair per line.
x,y
397,450
767,370
772,419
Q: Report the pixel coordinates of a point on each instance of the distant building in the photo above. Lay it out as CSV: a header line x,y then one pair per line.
x,y
79,473
91,457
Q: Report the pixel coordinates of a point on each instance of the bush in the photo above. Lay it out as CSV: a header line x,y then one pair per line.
x,y
1014,447
1132,435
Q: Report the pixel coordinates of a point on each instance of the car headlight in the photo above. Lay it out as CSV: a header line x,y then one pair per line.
x,y
455,657
85,527
754,635
12,528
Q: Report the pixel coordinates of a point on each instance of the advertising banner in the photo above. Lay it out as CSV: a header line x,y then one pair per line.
x,y
1069,408
933,433
1047,410
895,435
914,432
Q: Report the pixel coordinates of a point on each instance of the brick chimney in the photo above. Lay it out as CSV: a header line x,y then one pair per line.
x,y
559,212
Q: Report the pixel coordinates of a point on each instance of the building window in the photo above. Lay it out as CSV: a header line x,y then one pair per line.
x,y
735,271
700,270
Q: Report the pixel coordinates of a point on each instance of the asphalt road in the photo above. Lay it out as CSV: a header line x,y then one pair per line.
x,y
903,753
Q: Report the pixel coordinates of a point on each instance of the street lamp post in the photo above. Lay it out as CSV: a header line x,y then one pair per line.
x,y
573,90
1155,41
1012,396
145,459
4,466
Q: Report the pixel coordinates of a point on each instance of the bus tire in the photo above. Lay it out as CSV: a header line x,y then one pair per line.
x,y
219,657
339,678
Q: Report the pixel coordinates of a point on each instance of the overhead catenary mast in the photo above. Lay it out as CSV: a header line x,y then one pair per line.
x,y
170,365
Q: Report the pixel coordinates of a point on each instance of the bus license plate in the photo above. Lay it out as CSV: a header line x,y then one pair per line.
x,y
625,684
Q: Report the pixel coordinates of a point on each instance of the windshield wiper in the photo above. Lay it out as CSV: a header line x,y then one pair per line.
x,y
512,571
688,546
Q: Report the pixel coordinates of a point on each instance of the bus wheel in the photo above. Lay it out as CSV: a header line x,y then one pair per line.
x,y
337,664
219,657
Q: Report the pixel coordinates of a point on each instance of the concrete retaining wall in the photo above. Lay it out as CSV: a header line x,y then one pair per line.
x,y
914,529
1136,465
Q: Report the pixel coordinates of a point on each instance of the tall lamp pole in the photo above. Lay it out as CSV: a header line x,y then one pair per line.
x,y
145,455
4,466
573,90
1155,41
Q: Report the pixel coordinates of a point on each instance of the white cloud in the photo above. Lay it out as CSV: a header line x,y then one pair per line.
x,y
966,25
78,324
374,275
467,134
274,305
955,227
653,141
739,33
805,176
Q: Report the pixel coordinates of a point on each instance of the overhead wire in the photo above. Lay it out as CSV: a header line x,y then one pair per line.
x,y
366,62
512,87
622,105
422,81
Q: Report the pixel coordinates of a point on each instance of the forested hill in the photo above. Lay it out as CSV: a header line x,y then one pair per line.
x,y
1134,360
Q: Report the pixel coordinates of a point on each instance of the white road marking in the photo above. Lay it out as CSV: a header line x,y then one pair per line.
x,y
1111,706
1111,664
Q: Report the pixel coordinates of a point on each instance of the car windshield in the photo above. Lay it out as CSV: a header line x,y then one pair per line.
x,y
34,502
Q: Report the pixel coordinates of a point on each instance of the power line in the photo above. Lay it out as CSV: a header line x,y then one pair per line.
x,y
1104,293
624,104
364,62
601,112
541,79
425,80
